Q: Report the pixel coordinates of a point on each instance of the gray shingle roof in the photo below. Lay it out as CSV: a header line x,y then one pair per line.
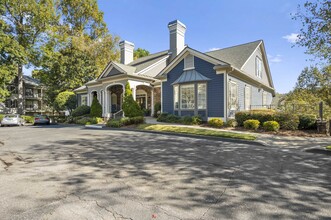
x,y
147,61
128,69
236,55
190,76
31,81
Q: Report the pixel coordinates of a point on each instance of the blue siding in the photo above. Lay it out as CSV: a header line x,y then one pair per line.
x,y
215,89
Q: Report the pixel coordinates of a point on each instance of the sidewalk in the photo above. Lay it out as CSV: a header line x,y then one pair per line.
x,y
292,142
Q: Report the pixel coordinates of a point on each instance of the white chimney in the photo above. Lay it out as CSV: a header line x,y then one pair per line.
x,y
126,51
177,37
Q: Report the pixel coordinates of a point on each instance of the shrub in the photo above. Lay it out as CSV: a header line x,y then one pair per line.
x,y
81,110
196,120
287,121
307,121
130,107
251,124
157,109
137,120
231,123
187,120
162,117
96,108
87,120
260,115
114,123
215,122
271,126
125,121
1,117
99,120
28,119
170,118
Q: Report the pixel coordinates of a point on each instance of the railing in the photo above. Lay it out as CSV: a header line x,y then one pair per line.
x,y
118,115
33,95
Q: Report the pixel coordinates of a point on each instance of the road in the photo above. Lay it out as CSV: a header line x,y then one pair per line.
x,y
69,172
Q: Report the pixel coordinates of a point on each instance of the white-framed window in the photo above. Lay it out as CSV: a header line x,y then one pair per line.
x,y
202,96
258,67
176,97
264,99
189,62
248,97
83,100
233,95
187,97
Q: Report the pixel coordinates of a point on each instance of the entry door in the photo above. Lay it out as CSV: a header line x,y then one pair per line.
x,y
141,100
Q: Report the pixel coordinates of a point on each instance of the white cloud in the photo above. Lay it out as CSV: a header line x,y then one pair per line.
x,y
275,59
292,38
214,48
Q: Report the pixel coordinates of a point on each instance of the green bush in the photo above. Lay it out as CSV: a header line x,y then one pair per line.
x,y
260,115
215,122
162,117
1,117
157,109
87,120
81,110
169,118
137,120
186,120
96,108
114,123
130,107
307,121
28,119
196,120
231,123
125,121
287,121
99,120
271,126
251,124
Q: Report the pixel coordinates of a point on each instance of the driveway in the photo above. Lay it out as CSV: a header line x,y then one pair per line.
x,y
69,172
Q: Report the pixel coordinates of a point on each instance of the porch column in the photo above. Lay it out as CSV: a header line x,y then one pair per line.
x,y
134,91
152,101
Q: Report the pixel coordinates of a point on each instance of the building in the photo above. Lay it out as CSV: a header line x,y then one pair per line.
x,y
186,81
33,93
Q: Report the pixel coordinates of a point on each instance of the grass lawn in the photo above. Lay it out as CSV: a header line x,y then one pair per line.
x,y
328,147
196,131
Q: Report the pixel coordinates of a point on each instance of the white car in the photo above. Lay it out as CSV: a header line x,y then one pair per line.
x,y
12,120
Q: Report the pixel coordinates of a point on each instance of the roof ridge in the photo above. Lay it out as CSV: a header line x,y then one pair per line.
x,y
147,58
236,46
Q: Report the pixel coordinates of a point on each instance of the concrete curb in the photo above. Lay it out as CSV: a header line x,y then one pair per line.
x,y
94,126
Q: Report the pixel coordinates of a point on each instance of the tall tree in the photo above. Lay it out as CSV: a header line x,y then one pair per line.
x,y
28,21
315,33
140,53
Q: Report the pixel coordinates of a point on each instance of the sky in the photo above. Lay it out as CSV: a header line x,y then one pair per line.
x,y
213,24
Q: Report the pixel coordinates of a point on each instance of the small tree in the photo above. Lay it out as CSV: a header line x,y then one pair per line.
x,y
65,101
96,108
130,107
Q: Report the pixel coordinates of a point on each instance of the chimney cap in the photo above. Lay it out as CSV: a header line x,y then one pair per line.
x,y
126,43
176,22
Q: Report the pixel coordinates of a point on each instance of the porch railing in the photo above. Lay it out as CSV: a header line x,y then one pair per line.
x,y
118,115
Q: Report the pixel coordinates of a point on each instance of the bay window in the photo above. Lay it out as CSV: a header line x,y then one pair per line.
x,y
176,94
190,96
187,100
202,95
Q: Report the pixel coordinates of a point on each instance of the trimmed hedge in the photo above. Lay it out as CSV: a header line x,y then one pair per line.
x,y
28,119
125,122
231,123
215,122
114,124
307,121
287,121
271,126
87,120
81,110
251,124
260,115
188,120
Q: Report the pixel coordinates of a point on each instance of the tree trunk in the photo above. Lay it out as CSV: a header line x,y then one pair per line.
x,y
20,101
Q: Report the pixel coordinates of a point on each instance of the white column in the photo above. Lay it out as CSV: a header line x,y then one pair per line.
x,y
88,98
152,102
134,91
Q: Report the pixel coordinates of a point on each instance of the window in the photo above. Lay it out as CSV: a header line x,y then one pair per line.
x,y
264,99
29,92
189,62
247,97
187,96
233,96
258,67
176,103
202,96
84,100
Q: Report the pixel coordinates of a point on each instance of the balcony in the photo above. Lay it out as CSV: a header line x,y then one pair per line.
x,y
33,96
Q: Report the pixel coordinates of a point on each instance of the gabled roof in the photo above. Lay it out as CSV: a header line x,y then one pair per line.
x,y
236,55
31,81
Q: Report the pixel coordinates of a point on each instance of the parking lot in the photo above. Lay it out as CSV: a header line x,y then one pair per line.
x,y
69,172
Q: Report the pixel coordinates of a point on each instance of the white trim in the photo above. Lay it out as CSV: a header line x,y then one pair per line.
x,y
161,92
186,63
152,66
250,56
250,97
225,99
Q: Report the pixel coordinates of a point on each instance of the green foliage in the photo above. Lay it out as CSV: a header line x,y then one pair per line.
x,y
96,108
1,117
65,101
114,123
140,53
99,120
28,119
157,109
169,118
186,120
260,115
315,32
271,126
287,121
87,120
231,123
251,124
215,122
130,107
307,121
196,120
81,110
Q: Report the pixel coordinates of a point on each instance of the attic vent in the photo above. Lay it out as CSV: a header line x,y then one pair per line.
x,y
189,62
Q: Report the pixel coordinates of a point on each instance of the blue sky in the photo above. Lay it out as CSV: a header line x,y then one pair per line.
x,y
214,24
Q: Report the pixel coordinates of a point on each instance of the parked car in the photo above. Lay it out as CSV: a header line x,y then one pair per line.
x,y
12,120
41,119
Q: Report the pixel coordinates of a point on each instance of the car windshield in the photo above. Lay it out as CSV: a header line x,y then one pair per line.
x,y
11,116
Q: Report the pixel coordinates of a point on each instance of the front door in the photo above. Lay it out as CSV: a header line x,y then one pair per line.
x,y
141,100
